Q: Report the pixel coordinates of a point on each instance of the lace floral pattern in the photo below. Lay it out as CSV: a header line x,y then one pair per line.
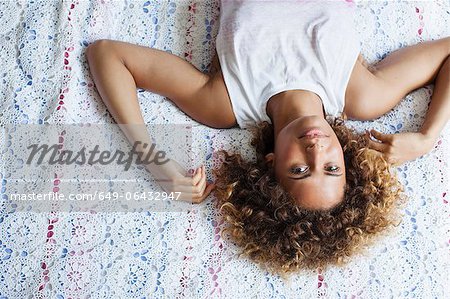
x,y
45,79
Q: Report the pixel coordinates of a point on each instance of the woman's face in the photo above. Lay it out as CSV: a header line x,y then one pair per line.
x,y
311,168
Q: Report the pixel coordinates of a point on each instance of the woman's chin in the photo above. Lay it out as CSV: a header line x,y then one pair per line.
x,y
309,121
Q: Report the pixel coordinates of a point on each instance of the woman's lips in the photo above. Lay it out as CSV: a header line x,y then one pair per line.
x,y
313,132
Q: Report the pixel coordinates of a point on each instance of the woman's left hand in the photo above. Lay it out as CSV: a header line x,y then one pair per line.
x,y
401,147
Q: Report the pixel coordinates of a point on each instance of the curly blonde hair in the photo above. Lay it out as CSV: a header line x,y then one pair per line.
x,y
264,220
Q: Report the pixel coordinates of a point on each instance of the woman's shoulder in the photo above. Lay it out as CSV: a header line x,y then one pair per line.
x,y
365,64
359,77
363,90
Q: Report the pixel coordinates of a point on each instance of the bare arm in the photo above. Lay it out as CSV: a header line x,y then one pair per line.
x,y
439,109
117,69
418,66
201,96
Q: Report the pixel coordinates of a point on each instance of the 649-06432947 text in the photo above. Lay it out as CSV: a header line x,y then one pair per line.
x,y
100,196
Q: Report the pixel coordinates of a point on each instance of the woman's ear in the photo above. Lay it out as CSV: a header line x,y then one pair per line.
x,y
269,159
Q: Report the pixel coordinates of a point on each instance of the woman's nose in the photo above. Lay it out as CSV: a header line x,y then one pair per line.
x,y
315,145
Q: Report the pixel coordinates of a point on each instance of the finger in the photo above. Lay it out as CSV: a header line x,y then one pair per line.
x,y
206,193
381,147
190,197
197,177
187,197
194,198
187,191
196,181
209,188
203,175
200,186
204,172
380,136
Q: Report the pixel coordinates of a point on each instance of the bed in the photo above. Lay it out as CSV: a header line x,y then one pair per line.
x,y
45,79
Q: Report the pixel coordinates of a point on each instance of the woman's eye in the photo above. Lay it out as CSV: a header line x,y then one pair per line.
x,y
299,170
333,168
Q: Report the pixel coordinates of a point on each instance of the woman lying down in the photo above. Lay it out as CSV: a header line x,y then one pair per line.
x,y
318,190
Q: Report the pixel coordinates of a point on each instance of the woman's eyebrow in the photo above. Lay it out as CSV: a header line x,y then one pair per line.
x,y
309,174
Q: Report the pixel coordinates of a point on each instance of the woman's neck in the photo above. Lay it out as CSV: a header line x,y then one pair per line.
x,y
289,105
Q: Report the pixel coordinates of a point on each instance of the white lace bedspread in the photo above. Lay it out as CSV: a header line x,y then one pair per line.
x,y
44,78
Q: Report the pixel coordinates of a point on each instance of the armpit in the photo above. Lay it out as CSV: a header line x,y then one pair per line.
x,y
370,68
215,64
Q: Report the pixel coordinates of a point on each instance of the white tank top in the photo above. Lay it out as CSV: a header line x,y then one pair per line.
x,y
266,47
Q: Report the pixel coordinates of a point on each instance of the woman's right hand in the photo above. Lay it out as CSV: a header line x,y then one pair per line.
x,y
401,147
173,178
